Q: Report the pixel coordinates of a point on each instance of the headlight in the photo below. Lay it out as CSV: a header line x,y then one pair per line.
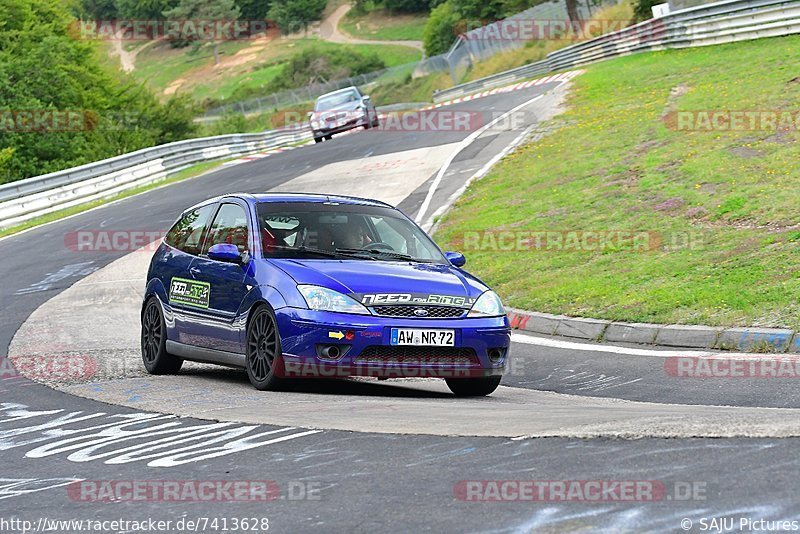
x,y
487,305
323,299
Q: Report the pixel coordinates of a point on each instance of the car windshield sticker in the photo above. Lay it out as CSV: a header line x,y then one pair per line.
x,y
189,292
377,299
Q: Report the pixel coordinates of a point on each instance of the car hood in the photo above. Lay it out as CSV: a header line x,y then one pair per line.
x,y
379,282
347,106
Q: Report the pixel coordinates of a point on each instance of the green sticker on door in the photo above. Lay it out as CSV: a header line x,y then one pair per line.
x,y
189,292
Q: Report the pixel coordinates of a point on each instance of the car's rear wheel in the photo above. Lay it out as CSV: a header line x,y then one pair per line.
x,y
318,139
329,137
473,387
156,359
263,349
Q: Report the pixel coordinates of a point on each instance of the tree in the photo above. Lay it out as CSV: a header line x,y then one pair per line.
x,y
34,33
407,6
441,29
643,10
97,9
479,10
253,9
204,10
143,9
292,15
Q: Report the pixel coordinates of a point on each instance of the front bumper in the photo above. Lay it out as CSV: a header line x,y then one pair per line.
x,y
331,130
365,348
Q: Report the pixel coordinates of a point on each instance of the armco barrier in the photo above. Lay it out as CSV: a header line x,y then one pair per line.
x,y
709,24
26,199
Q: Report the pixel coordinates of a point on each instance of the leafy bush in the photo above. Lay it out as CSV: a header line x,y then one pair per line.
x,y
295,15
320,65
43,66
440,30
643,9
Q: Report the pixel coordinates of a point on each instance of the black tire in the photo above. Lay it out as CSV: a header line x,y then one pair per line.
x,y
263,349
473,387
318,139
156,359
367,121
329,137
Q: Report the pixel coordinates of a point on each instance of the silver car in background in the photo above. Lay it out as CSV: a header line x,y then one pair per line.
x,y
340,111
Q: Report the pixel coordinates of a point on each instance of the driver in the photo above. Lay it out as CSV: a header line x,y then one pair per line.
x,y
351,237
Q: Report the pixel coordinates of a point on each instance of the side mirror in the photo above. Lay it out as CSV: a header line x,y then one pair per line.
x,y
456,259
225,252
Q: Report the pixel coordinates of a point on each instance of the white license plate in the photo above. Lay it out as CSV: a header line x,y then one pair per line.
x,y
424,337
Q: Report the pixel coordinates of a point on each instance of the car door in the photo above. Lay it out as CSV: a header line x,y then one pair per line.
x,y
215,326
171,264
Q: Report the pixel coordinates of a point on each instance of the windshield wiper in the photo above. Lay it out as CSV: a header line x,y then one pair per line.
x,y
390,253
312,250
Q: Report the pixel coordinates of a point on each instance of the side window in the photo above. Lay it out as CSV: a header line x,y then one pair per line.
x,y
229,226
187,233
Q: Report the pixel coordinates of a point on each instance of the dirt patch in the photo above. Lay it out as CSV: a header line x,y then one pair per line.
x,y
671,204
174,86
672,100
697,212
746,152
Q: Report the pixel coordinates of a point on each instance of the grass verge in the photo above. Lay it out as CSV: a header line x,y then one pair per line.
x,y
719,207
381,25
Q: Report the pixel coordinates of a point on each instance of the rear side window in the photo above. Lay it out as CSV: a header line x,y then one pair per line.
x,y
229,226
187,234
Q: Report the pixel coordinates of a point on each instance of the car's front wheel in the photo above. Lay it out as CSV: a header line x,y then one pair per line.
x,y
156,359
473,387
263,348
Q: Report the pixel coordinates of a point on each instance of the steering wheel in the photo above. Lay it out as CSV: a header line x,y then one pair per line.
x,y
378,245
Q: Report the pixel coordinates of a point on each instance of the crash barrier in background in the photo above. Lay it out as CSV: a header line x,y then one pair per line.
x,y
26,199
722,22
709,24
467,48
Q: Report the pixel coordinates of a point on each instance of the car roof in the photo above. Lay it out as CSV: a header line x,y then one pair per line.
x,y
309,197
345,90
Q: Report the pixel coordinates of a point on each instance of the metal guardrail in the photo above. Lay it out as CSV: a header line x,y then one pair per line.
x,y
727,21
717,23
26,199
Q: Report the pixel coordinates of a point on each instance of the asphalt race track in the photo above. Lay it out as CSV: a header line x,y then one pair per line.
x,y
361,455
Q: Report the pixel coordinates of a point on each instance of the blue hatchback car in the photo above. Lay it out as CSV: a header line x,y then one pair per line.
x,y
299,285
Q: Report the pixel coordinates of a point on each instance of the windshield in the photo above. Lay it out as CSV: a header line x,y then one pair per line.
x,y
336,99
342,231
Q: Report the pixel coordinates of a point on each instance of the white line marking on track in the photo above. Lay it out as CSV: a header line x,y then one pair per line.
x,y
461,146
595,347
616,349
429,224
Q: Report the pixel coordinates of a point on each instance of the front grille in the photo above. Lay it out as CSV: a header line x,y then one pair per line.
x,y
418,355
408,310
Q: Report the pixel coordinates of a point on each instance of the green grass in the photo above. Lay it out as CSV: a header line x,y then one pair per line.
x,y
405,90
381,25
159,66
189,172
614,165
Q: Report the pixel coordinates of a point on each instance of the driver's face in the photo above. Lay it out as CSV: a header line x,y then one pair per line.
x,y
353,239
352,236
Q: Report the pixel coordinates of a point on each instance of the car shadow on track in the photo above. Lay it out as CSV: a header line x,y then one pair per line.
x,y
398,388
